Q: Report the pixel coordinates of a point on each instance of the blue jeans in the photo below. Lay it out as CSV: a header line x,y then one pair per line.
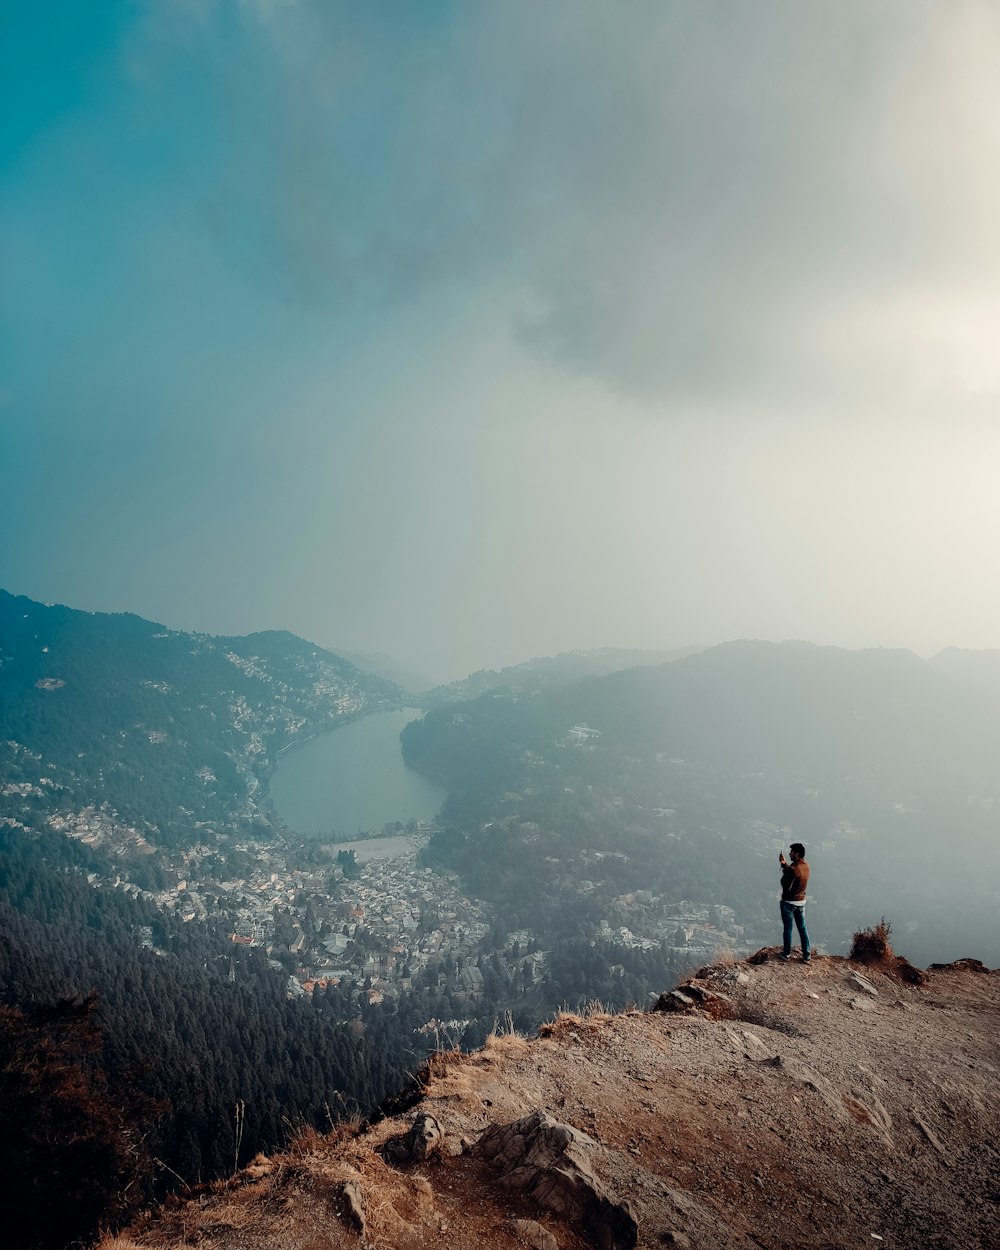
x,y
789,913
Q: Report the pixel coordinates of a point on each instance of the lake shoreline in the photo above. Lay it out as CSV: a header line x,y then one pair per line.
x,y
347,786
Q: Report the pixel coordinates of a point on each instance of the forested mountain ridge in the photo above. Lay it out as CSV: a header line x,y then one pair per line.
x,y
172,731
695,773
548,672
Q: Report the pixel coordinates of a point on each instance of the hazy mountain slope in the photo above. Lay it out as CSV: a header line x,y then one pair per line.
x,y
799,1109
387,667
172,730
976,671
698,771
747,705
547,672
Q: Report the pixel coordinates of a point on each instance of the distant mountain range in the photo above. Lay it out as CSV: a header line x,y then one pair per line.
x,y
822,712
170,731
547,672
385,666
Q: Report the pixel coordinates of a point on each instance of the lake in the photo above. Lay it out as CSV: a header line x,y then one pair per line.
x,y
352,779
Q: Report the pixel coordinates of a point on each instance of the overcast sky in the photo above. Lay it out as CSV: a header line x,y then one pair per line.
x,y
475,331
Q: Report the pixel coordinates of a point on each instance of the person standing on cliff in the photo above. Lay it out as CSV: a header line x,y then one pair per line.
x,y
794,878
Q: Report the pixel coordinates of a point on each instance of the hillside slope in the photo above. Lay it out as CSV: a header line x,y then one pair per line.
x,y
699,771
825,1106
169,733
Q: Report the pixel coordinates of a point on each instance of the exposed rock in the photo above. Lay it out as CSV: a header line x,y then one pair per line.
x,y
550,1163
931,1136
911,974
862,983
536,1235
423,1140
674,1000
691,995
714,1002
351,1206
965,965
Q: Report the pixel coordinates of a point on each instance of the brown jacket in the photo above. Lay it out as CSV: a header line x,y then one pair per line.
x,y
794,878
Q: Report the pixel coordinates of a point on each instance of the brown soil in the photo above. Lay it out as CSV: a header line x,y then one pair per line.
x,y
814,1114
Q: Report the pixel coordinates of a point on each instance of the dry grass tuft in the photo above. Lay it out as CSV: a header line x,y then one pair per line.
x,y
590,1019
457,1084
503,1042
441,1062
504,1045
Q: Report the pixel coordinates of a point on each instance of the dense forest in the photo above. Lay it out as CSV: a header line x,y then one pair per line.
x,y
216,1060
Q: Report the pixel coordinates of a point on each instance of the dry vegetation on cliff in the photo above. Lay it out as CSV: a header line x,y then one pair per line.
x,y
768,1106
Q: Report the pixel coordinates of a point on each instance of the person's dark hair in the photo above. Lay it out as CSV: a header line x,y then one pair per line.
x,y
798,849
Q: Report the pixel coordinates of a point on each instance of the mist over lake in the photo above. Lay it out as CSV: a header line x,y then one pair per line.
x,y
353,779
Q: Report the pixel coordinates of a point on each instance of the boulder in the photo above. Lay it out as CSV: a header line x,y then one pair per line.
x,y
423,1139
688,997
674,1000
550,1163
351,1207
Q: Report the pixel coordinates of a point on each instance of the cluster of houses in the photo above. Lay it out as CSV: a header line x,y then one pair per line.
x,y
385,925
376,928
684,927
381,926
101,827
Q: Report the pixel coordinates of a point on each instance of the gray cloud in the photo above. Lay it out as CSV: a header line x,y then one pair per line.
x,y
695,203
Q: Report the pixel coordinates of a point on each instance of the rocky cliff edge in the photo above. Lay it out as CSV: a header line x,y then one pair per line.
x,y
761,1105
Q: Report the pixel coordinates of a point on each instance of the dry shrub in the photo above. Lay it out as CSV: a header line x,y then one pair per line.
x,y
504,1040
393,1203
871,946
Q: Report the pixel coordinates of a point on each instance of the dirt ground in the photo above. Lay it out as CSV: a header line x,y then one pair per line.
x,y
829,1105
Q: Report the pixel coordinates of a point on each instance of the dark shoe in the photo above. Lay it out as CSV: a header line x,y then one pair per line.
x,y
784,958
807,959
